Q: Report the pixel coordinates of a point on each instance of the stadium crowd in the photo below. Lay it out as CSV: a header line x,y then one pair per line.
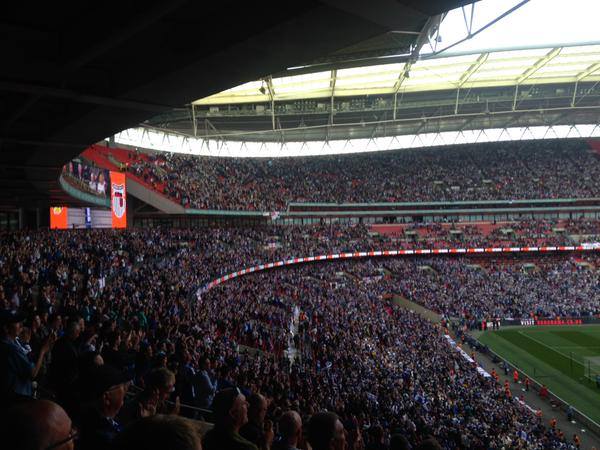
x,y
501,171
560,287
91,179
100,309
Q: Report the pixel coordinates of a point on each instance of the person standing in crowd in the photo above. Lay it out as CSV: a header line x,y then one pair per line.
x,y
160,432
257,431
207,386
290,431
230,411
570,413
326,432
64,368
376,438
16,370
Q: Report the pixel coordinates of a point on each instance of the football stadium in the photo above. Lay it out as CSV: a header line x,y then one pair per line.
x,y
328,225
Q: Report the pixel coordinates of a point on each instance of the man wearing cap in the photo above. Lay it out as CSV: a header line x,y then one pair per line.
x,y
16,370
230,411
107,388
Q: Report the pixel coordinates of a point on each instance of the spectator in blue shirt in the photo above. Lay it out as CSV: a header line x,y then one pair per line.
x,y
17,371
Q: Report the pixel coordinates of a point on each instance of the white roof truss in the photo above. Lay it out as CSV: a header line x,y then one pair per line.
x,y
478,70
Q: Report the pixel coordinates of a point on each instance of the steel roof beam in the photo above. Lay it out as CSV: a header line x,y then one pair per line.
x,y
431,26
332,86
489,24
539,64
269,81
587,72
403,76
471,70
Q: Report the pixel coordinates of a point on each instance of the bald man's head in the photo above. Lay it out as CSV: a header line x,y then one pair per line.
x,y
290,427
37,425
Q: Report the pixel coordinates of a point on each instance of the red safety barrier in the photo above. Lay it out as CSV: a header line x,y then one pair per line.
x,y
333,256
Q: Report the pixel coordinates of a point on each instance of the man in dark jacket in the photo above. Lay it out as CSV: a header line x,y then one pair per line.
x,y
290,431
99,428
254,430
64,369
230,411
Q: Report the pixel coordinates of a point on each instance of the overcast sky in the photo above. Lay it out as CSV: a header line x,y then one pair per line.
x,y
539,22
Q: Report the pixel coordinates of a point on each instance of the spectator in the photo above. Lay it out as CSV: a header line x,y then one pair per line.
x,y
113,354
160,432
230,411
206,385
290,431
37,425
64,369
429,444
16,370
326,432
107,388
160,384
256,430
399,442
376,438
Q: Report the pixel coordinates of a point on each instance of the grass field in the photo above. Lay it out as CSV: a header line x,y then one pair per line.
x,y
556,357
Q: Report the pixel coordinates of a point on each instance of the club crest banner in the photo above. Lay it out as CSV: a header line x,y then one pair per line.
x,y
118,199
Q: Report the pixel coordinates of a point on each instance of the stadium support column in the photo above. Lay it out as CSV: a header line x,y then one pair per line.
x,y
467,74
332,82
404,74
456,104
194,124
269,82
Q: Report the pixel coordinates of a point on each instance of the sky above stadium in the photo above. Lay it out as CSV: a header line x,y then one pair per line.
x,y
536,23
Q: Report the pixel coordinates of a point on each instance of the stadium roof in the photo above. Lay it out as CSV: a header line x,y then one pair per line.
x,y
74,74
544,65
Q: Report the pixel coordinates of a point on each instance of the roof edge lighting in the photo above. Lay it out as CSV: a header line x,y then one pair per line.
x,y
159,140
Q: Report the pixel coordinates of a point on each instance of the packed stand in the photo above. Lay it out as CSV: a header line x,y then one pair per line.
x,y
92,179
460,288
98,310
491,171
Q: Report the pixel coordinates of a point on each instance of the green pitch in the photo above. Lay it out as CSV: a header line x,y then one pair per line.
x,y
564,358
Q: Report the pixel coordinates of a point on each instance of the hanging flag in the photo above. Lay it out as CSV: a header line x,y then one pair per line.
x,y
118,200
